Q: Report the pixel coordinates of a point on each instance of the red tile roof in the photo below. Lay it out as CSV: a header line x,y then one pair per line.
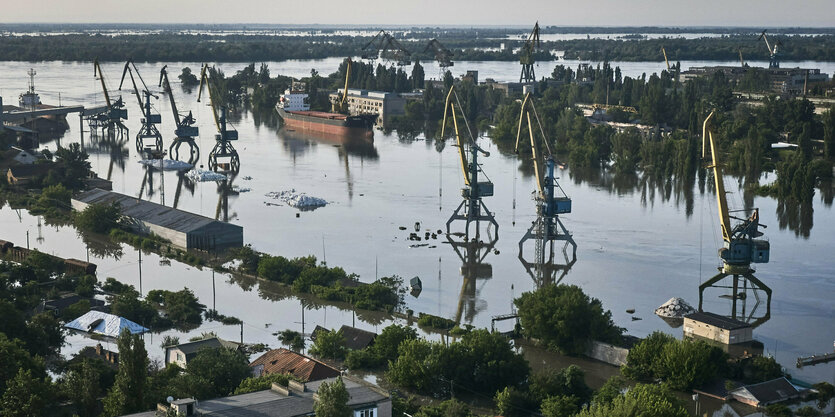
x,y
283,361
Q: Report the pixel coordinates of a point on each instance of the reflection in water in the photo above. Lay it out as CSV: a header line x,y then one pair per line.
x,y
298,142
472,254
225,189
115,147
182,180
795,217
739,304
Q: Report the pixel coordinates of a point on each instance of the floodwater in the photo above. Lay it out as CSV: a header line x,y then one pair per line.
x,y
639,242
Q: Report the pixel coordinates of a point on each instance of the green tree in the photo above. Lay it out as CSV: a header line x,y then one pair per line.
x,y
25,395
448,408
76,167
16,358
826,392
643,400
643,356
610,390
329,345
332,400
560,406
565,319
807,411
687,364
99,218
260,383
829,133
513,402
418,76
389,340
214,373
128,392
778,410
82,387
292,339
568,382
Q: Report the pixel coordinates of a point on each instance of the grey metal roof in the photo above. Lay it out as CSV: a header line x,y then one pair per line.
x,y
211,343
150,212
773,391
717,320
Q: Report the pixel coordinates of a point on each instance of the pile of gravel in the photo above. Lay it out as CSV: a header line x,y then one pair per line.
x,y
675,308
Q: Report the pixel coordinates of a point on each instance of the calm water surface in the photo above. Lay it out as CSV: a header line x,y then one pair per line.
x,y
638,244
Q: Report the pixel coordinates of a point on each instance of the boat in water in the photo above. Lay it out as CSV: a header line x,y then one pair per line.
x,y
294,109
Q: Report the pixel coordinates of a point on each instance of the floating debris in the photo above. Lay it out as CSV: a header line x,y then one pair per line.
x,y
636,318
675,308
246,178
241,189
200,175
630,310
402,227
167,164
297,200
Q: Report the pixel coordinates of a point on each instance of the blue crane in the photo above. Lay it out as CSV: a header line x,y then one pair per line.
x,y
149,130
223,156
114,112
741,246
185,132
472,209
551,201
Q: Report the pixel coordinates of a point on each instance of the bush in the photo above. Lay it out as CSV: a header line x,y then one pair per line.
x,y
440,323
329,345
683,364
642,400
565,319
98,218
260,383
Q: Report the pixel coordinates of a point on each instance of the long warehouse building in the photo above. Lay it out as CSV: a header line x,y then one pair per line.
x,y
183,229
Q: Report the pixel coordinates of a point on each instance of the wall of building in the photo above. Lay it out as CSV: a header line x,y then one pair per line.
x,y
604,352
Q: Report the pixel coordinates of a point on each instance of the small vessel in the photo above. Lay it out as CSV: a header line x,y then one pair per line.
x,y
294,109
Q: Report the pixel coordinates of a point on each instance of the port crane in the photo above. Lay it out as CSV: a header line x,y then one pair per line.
x,y
473,268
149,130
741,247
383,45
223,149
527,55
741,61
472,208
551,201
442,55
773,54
666,61
185,132
340,104
111,119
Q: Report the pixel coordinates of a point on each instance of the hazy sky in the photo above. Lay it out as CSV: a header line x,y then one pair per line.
x,y
756,13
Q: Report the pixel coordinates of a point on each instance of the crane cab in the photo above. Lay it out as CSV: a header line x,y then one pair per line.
x,y
481,189
561,205
116,113
745,251
187,131
153,119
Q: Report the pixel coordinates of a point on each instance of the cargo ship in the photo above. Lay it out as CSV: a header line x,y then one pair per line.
x,y
294,109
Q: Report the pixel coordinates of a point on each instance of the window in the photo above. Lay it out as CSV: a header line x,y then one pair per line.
x,y
368,412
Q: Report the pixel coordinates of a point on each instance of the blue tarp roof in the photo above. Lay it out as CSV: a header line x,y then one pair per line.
x,y
104,324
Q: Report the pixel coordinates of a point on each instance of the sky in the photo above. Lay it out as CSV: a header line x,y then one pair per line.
x,y
754,13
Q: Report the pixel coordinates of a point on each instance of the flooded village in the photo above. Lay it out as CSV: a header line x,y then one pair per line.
x,y
416,221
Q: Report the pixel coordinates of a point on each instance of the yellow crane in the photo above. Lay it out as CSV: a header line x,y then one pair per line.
x,y
472,208
342,100
741,61
664,51
223,155
740,246
551,201
111,119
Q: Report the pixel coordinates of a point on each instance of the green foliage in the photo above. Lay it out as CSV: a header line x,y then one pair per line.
x,y
250,259
260,383
560,406
83,387
169,340
329,345
25,395
448,408
778,410
684,364
480,361
383,350
292,339
610,390
435,322
513,402
213,373
181,307
75,310
825,393
332,400
807,411
16,358
565,319
98,218
642,400
129,305
188,79
127,395
568,382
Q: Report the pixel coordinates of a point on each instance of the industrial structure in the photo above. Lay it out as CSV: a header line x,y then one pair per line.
x,y
773,53
384,46
224,156
526,57
472,209
109,118
381,104
718,328
741,244
441,54
472,254
150,120
185,230
551,201
185,132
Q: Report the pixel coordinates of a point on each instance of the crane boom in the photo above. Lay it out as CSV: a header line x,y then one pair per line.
x,y
721,198
204,80
741,61
664,51
449,110
129,71
163,82
97,70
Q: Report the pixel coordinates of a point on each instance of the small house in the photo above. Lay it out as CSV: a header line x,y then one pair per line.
x,y
108,357
181,354
766,393
355,339
717,328
283,361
